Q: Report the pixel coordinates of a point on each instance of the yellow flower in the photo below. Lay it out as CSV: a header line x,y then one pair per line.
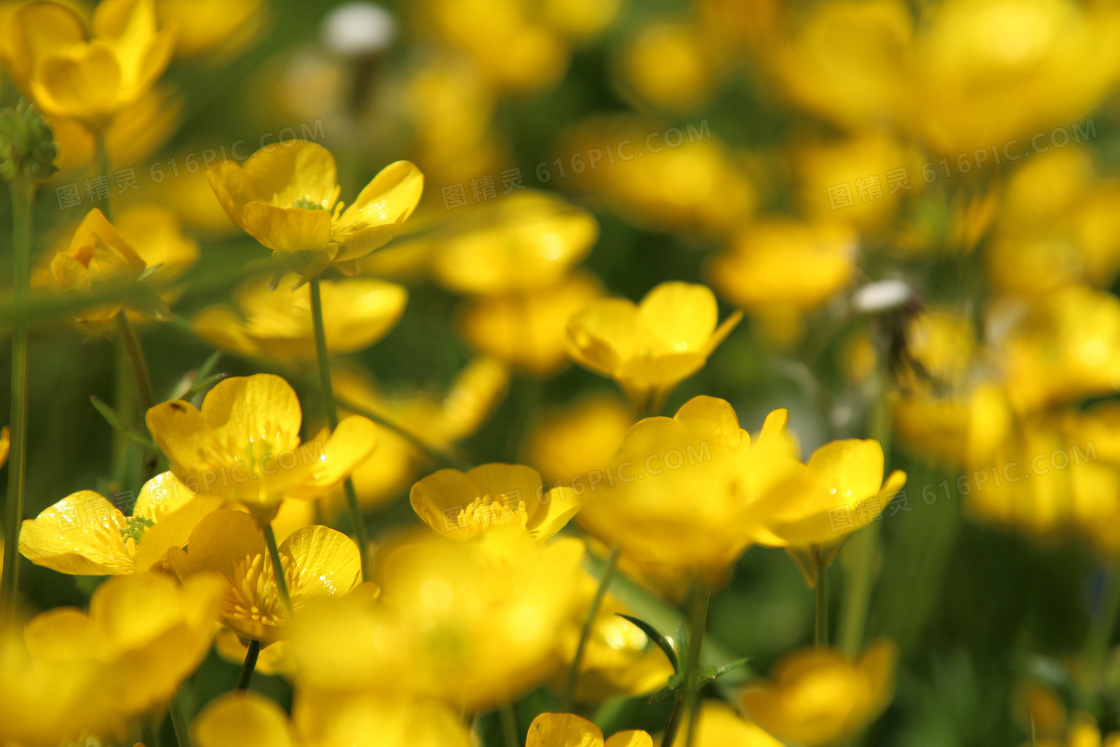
x,y
816,697
150,632
666,64
249,719
618,658
839,490
1082,732
244,445
959,428
528,330
286,197
473,624
277,323
435,420
779,269
88,79
317,562
216,28
681,497
461,505
649,348
98,257
523,242
576,440
570,730
86,535
721,726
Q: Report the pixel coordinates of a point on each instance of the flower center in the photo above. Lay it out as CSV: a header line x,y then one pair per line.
x,y
503,510
134,529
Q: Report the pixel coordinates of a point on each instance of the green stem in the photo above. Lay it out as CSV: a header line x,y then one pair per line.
x,y
820,603
277,568
687,694
23,194
249,665
332,417
104,167
509,726
179,722
588,625
1100,631
143,382
857,599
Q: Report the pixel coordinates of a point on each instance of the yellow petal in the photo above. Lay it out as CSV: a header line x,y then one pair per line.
x,y
79,535
635,738
557,508
683,315
326,562
288,229
852,469
63,634
242,719
442,490
129,611
233,189
83,84
38,29
286,173
94,227
348,447
380,209
175,511
563,730
603,335
220,541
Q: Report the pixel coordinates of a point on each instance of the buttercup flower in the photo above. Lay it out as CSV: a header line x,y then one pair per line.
x,y
815,697
461,505
277,323
86,535
244,445
569,730
90,80
649,348
286,197
472,624
317,561
720,726
573,441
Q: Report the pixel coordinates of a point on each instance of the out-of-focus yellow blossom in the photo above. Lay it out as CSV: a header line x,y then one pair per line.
x,y
573,441
984,73
317,561
218,28
1058,226
435,420
141,127
721,726
570,730
650,347
681,179
943,343
528,330
86,535
70,74
150,633
816,696
286,197
277,323
681,495
523,242
473,624
1038,707
666,65
843,61
618,658
1058,348
244,445
845,476
581,18
192,198
462,505
779,269
5,444
1083,732
249,719
155,234
98,256
852,179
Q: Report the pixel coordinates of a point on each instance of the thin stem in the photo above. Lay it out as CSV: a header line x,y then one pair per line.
x,y
143,381
277,568
820,603
179,722
104,167
23,193
249,665
509,726
588,624
1104,622
687,693
861,580
332,417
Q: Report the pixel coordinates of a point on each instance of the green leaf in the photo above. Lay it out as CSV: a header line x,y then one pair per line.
x,y
661,694
201,384
730,666
118,425
655,635
207,366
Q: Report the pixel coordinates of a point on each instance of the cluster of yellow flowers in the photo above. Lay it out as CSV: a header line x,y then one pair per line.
x,y
248,533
